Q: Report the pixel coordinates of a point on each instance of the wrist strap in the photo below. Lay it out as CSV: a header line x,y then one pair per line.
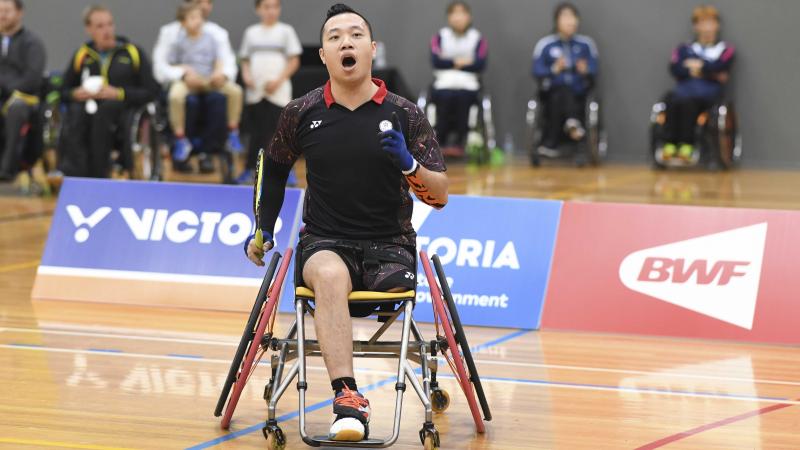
x,y
413,168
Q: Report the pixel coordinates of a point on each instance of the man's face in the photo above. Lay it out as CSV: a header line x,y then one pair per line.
x,y
347,48
101,30
269,11
206,6
10,16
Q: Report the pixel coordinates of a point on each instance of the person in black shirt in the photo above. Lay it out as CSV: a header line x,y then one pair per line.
x,y
22,62
364,147
96,117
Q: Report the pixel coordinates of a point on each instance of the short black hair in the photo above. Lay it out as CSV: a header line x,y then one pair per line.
x,y
17,4
341,8
259,2
456,4
563,7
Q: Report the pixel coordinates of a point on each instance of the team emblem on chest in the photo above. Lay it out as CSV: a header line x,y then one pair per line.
x,y
385,125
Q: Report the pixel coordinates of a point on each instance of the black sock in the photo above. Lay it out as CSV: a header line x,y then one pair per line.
x,y
339,384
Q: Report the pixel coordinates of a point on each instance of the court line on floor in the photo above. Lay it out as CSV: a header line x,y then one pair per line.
x,y
19,266
710,426
329,402
518,381
57,444
477,361
26,216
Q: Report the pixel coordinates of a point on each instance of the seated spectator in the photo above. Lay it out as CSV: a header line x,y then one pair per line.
x,y
22,63
166,73
270,55
197,52
459,54
106,79
701,68
565,65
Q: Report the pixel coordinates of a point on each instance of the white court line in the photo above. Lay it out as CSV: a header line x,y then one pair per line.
x,y
148,276
486,362
636,372
546,384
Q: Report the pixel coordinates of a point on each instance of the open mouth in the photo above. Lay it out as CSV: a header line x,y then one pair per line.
x,y
348,62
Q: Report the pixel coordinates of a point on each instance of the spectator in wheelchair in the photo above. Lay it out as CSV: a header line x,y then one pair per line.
x,y
196,51
166,73
270,55
459,53
701,69
565,65
22,63
106,79
364,147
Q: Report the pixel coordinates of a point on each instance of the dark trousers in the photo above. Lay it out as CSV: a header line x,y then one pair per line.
x,y
452,114
262,120
206,122
682,115
18,123
87,139
562,104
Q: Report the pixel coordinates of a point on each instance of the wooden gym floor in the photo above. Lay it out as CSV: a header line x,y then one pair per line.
x,y
87,376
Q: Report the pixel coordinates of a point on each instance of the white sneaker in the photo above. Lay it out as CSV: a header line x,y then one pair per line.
x,y
347,429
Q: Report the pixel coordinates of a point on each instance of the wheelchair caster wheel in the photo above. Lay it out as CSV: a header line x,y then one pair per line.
x,y
275,437
440,400
430,438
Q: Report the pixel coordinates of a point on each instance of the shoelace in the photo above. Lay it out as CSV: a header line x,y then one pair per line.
x,y
351,399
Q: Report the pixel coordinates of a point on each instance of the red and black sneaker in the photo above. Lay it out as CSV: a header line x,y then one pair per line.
x,y
352,417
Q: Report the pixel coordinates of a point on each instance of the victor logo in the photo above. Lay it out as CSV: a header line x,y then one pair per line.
x,y
716,275
83,223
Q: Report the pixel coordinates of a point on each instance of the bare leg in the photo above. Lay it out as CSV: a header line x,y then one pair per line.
x,y
327,275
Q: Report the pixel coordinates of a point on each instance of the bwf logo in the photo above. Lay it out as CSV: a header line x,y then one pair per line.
x,y
717,275
83,223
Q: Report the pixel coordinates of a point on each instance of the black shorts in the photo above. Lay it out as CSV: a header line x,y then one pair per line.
x,y
373,265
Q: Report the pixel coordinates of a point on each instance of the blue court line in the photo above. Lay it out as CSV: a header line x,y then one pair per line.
x,y
104,350
180,355
329,402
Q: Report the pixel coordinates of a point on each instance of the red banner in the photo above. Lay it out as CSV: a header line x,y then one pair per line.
x,y
677,271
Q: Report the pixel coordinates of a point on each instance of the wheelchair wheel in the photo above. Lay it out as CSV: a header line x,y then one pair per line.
x,y
725,136
596,139
533,131
460,359
145,146
244,362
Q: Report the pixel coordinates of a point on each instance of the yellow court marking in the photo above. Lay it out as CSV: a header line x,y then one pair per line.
x,y
41,443
19,266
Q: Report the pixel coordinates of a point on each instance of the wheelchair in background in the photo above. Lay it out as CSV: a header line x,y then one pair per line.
x,y
717,137
592,149
481,137
450,342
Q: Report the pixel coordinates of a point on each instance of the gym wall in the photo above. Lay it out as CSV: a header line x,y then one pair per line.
x,y
635,38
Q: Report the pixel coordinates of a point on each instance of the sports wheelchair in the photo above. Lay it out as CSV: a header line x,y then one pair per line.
x,y
481,137
450,342
593,148
717,137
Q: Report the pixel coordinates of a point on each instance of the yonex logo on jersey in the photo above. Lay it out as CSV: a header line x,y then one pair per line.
x,y
409,276
385,125
315,124
717,275
83,223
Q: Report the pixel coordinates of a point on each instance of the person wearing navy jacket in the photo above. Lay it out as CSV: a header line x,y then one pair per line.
x,y
458,54
701,69
565,65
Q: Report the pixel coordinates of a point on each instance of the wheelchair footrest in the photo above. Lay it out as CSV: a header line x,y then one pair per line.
x,y
323,441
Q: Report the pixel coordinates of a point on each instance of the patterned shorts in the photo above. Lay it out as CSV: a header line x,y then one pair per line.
x,y
373,265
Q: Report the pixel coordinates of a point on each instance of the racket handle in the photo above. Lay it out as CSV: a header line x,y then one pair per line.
x,y
259,238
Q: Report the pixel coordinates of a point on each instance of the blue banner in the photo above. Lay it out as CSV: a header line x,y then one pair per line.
x,y
496,254
161,228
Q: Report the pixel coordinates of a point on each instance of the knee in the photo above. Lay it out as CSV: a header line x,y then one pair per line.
x,y
329,275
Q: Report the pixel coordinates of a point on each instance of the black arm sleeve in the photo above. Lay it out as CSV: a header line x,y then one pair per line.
x,y
146,87
273,189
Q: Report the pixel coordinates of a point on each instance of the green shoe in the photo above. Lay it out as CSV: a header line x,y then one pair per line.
x,y
686,151
669,150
